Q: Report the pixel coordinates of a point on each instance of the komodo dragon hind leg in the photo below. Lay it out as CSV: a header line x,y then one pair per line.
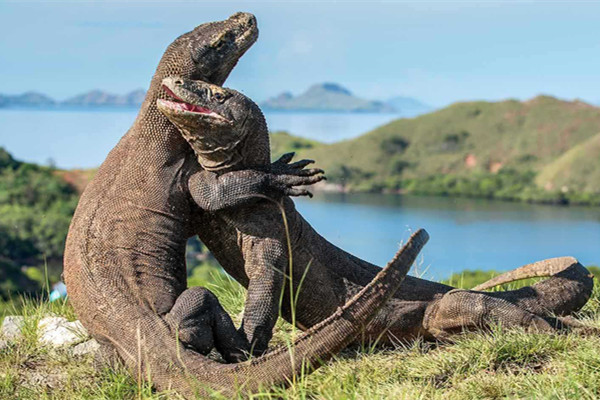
x,y
460,310
200,323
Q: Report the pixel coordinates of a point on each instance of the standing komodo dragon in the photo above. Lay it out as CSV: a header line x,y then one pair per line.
x,y
125,252
229,129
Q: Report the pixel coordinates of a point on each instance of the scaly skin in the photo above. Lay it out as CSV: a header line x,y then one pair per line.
x,y
419,308
125,252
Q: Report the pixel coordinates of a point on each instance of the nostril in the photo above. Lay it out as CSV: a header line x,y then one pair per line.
x,y
178,82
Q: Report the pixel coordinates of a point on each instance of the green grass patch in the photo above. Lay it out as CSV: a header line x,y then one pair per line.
x,y
500,364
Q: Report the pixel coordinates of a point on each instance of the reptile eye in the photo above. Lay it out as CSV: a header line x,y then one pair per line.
x,y
219,97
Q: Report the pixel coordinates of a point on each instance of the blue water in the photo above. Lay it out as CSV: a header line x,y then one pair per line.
x,y
465,233
81,138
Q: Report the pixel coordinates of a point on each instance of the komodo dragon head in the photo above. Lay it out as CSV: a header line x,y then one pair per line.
x,y
219,124
211,50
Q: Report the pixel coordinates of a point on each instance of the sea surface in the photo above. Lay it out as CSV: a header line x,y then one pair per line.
x,y
81,138
465,233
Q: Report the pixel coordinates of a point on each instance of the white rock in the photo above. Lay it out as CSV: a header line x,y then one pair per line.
x,y
58,332
89,347
3,344
11,327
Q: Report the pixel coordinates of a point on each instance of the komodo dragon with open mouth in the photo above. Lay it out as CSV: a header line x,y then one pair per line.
x,y
226,128
125,253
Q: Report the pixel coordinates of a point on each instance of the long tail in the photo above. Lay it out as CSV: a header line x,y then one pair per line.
x,y
568,289
156,355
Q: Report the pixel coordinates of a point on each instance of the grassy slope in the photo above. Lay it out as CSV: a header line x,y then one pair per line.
x,y
505,363
283,142
576,170
508,134
79,178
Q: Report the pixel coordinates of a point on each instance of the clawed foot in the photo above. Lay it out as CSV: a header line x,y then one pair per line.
x,y
286,176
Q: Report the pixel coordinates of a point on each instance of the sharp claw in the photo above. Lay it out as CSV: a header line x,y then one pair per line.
x,y
287,157
309,194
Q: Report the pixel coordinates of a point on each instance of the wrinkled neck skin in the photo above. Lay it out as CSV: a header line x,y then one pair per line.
x,y
221,149
217,148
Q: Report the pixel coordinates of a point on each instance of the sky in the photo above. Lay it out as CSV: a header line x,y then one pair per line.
x,y
437,51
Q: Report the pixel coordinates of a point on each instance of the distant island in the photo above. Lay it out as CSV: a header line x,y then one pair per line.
x,y
332,97
322,97
93,98
325,97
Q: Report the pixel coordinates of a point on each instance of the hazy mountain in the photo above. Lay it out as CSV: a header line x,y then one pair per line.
x,y
408,106
28,99
94,98
325,97
101,98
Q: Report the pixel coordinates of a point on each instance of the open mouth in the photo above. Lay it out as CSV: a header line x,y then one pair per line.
x,y
179,104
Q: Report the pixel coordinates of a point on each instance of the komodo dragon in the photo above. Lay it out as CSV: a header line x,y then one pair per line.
x,y
238,140
230,129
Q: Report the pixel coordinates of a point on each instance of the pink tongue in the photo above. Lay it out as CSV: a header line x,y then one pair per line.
x,y
194,108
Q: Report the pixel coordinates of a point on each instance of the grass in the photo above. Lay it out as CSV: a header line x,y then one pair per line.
x,y
500,364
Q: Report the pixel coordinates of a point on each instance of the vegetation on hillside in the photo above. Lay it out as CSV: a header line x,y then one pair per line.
x,y
576,170
543,150
35,211
283,142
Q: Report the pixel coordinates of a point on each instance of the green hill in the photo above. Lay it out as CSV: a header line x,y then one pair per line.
x,y
490,149
36,207
283,142
577,170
